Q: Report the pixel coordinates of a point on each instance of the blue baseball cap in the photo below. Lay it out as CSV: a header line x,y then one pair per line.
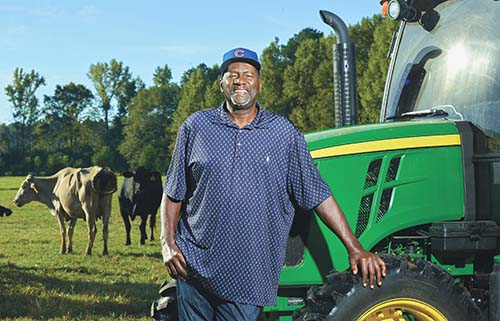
x,y
240,54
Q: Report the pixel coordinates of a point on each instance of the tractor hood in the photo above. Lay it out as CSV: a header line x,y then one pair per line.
x,y
383,136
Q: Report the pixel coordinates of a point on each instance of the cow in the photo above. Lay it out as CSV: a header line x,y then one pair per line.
x,y
140,195
70,194
4,210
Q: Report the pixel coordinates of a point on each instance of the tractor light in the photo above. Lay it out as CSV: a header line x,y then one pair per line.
x,y
402,10
394,10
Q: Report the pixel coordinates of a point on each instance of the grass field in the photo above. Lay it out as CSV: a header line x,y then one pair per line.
x,y
38,283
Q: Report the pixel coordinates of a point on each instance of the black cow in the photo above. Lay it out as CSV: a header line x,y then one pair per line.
x,y
140,195
4,210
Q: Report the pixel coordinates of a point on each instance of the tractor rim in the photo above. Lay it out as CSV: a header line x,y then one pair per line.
x,y
396,309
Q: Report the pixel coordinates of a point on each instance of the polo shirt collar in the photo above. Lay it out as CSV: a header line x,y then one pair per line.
x,y
261,120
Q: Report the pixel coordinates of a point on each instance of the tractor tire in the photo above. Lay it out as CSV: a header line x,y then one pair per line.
x,y
417,291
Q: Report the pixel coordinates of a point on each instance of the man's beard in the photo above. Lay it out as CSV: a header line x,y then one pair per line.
x,y
242,98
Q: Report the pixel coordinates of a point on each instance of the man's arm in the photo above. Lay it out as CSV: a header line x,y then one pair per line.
x,y
172,255
372,266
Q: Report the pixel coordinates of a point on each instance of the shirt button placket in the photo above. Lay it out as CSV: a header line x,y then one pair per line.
x,y
238,146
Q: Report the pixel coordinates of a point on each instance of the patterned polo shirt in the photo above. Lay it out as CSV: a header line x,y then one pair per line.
x,y
239,188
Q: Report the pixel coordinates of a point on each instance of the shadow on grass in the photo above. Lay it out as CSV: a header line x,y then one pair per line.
x,y
24,292
134,254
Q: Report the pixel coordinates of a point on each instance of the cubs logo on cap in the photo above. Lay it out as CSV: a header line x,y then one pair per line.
x,y
240,54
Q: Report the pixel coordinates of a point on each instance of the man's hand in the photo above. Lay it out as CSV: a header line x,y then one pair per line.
x,y
371,265
172,256
174,260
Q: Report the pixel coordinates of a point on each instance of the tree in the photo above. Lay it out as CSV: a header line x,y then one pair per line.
x,y
273,67
275,60
162,76
294,43
64,109
109,80
195,83
308,85
24,102
146,134
125,94
371,83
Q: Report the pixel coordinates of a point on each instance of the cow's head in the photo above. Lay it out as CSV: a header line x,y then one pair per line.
x,y
27,192
144,182
4,210
104,182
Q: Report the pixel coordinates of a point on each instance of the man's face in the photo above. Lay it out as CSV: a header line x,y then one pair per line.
x,y
240,85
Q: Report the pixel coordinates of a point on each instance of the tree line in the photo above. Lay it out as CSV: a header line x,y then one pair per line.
x,y
121,123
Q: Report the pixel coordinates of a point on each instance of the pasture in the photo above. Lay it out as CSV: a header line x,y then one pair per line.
x,y
39,283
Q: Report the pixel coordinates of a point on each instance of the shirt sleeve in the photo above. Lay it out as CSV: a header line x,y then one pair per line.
x,y
306,187
175,181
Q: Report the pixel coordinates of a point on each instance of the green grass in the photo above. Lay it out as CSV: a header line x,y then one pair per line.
x,y
38,283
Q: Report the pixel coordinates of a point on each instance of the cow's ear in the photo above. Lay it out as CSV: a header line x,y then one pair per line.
x,y
33,187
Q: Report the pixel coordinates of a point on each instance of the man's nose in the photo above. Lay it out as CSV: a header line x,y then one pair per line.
x,y
239,80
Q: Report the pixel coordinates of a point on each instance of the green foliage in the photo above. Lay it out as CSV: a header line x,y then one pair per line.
x,y
273,67
24,104
103,157
294,43
64,110
56,161
162,76
196,93
372,80
113,82
22,96
110,80
308,86
146,131
38,283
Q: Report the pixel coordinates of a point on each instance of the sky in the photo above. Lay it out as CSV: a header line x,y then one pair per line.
x,y
61,39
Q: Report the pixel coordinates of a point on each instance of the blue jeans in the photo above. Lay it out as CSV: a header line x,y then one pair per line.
x,y
197,305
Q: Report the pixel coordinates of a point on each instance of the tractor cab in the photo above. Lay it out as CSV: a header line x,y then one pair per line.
x,y
445,63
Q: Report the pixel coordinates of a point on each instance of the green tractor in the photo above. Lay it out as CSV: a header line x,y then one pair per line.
x,y
422,187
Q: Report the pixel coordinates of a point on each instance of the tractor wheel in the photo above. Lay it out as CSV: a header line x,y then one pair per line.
x,y
411,291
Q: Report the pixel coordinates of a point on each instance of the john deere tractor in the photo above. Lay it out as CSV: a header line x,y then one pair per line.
x,y
422,187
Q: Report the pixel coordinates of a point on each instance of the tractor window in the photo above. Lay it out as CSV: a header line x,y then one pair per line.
x,y
455,67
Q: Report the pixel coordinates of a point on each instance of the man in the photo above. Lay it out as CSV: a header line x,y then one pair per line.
x,y
236,175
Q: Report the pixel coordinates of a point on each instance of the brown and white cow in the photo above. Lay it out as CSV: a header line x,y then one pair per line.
x,y
70,194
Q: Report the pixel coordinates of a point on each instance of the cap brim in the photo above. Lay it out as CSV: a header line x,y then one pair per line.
x,y
226,64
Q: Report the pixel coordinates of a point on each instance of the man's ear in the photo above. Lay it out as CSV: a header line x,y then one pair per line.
x,y
221,87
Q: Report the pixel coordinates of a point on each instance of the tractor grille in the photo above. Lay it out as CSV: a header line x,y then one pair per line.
x,y
364,214
371,180
392,171
372,173
385,201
